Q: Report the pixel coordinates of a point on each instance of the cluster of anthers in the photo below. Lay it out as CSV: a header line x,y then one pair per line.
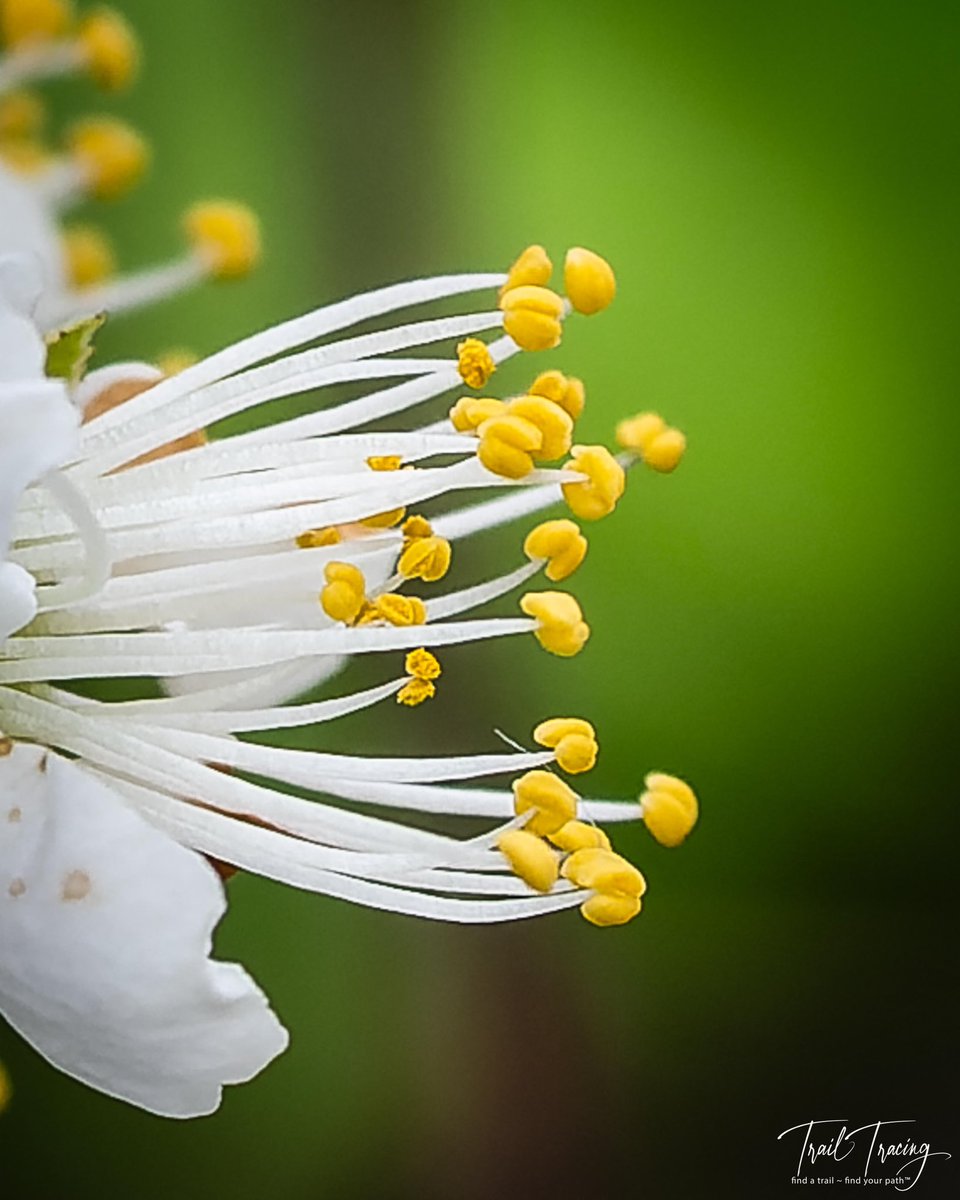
x,y
240,571
99,158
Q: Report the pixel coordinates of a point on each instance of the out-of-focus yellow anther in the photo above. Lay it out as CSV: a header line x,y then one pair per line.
x,y
310,539
532,317
396,610
555,425
553,801
475,362
226,236
605,481
421,664
531,268
172,362
562,389
27,156
385,462
345,593
573,741
416,527
669,808
30,22
560,543
112,155
507,446
588,280
561,628
578,835
6,1088
536,863
88,256
426,558
415,691
470,412
22,115
617,885
658,444
111,49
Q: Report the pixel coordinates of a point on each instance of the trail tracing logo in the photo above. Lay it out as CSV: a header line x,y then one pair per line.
x,y
887,1153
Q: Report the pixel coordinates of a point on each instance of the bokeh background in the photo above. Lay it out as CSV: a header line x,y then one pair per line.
x,y
777,186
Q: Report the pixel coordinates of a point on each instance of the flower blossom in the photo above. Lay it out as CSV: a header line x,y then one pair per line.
x,y
242,571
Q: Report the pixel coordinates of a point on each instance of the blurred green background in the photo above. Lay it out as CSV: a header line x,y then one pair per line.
x,y
776,185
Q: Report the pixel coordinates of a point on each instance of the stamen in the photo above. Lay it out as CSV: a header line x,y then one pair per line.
x,y
588,281
110,154
616,884
669,808
33,22
605,482
532,316
561,389
474,362
507,446
532,268
529,856
553,802
647,435
555,425
561,628
226,237
470,412
110,48
558,543
89,256
22,115
572,740
578,835
345,592
426,558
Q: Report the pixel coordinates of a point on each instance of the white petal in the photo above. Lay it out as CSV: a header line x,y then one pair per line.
x,y
18,600
105,927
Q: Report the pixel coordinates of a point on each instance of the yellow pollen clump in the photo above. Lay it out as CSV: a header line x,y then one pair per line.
x,y
555,425
598,494
310,539
26,22
560,543
669,808
536,863
658,444
578,835
415,692
416,527
345,593
507,446
111,49
426,558
532,317
397,610
475,362
617,885
470,412
531,268
385,462
561,628
225,235
88,256
573,741
421,664
113,155
553,801
588,280
562,389
22,115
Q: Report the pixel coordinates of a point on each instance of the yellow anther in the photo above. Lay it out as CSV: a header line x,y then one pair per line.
x,y
416,527
561,389
172,362
561,628
658,444
669,808
111,48
470,412
385,520
588,280
310,539
112,154
6,1088
578,835
25,156
555,425
560,543
88,256
536,863
398,610
426,558
531,316
26,22
226,236
617,885
385,462
532,268
507,446
345,593
415,691
22,115
475,362
598,494
573,741
553,801
421,664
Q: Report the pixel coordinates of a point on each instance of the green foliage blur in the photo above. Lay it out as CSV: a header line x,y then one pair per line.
x,y
776,185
